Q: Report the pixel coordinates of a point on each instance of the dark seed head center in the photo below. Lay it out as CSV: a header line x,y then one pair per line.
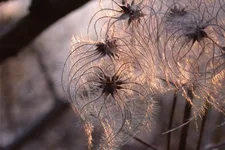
x,y
110,84
108,48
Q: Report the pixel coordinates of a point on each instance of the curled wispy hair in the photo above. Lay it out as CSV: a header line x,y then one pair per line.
x,y
111,96
119,15
146,50
175,12
86,52
190,36
217,91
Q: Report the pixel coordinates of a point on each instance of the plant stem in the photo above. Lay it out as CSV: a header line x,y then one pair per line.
x,y
187,114
144,143
202,127
171,120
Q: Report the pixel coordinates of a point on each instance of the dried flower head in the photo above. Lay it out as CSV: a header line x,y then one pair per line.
x,y
86,52
175,12
112,97
132,12
190,39
107,48
111,82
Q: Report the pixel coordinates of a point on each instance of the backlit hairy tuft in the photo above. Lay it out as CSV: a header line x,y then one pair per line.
x,y
145,48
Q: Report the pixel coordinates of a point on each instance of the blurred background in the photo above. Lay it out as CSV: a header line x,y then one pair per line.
x,y
34,113
35,39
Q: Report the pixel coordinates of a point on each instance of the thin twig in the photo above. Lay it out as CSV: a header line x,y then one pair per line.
x,y
202,128
144,143
178,127
171,119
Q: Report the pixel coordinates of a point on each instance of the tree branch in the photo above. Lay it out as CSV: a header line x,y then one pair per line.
x,y
43,13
